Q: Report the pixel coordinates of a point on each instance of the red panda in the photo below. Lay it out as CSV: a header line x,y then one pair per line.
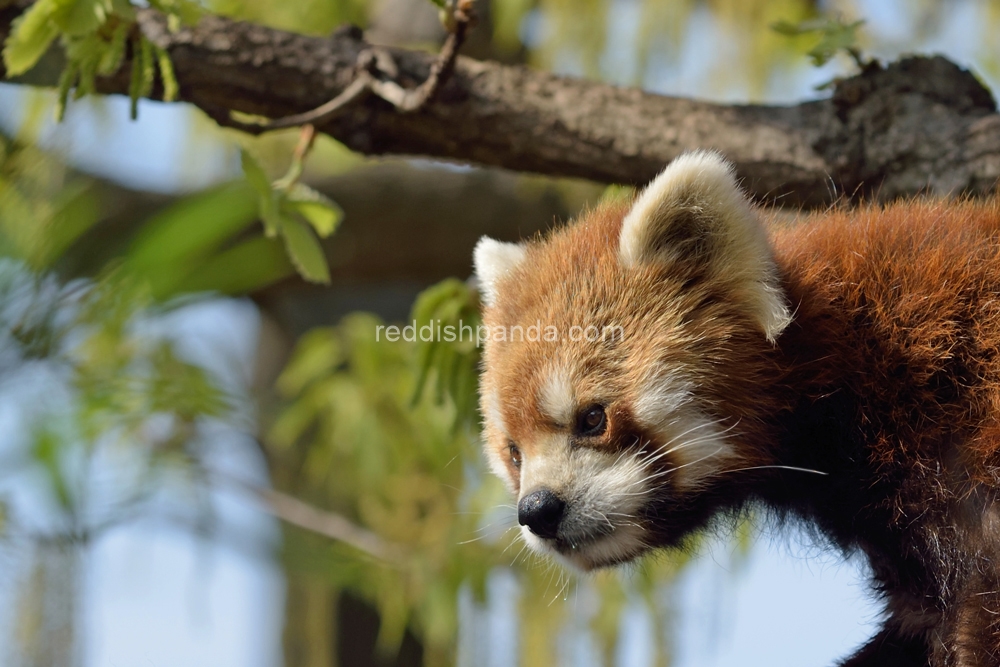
x,y
843,370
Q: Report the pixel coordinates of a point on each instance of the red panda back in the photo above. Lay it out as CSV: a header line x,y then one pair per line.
x,y
915,287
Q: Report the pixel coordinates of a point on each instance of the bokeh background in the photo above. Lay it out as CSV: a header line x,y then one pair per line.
x,y
208,461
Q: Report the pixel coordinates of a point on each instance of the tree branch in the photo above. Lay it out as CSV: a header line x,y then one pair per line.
x,y
921,124
293,511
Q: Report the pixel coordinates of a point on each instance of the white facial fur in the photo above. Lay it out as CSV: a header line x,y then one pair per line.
x,y
603,492
493,261
697,446
556,400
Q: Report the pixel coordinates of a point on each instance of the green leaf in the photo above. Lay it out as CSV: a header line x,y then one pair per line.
x,y
305,251
77,210
148,67
170,86
269,201
80,17
789,29
66,81
321,211
135,81
317,353
835,35
192,228
255,174
111,60
88,72
242,269
31,35
322,216
123,9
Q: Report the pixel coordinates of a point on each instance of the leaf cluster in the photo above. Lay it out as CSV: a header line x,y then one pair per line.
x,y
118,391
297,214
97,36
448,365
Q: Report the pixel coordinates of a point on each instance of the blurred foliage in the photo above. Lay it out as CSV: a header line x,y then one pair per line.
x,y
35,188
197,245
309,17
834,35
352,439
116,389
448,356
108,414
628,42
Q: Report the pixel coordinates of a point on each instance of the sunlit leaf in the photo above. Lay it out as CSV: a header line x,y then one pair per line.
x,y
80,17
31,35
267,198
243,269
305,251
318,209
192,227
170,85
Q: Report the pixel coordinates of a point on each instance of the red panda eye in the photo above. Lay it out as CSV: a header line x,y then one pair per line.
x,y
515,454
592,421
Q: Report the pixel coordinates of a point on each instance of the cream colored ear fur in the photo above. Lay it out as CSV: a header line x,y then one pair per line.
x,y
493,260
695,211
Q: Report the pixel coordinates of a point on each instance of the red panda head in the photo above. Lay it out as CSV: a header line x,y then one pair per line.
x,y
622,354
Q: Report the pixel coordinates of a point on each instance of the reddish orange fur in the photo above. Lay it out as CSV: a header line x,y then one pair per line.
x,y
906,290
892,360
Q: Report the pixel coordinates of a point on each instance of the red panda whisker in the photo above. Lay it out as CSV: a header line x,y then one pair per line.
x,y
690,443
562,578
795,468
690,430
691,463
700,439
524,546
483,537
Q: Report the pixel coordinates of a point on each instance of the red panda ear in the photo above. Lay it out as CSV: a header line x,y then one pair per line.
x,y
493,260
695,212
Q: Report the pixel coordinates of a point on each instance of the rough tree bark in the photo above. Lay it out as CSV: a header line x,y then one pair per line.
x,y
921,124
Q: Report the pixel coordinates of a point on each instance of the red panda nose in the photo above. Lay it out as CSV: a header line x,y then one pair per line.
x,y
541,511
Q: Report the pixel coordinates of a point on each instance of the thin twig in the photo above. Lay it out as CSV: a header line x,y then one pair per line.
x,y
408,101
307,137
328,524
374,63
360,87
293,511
